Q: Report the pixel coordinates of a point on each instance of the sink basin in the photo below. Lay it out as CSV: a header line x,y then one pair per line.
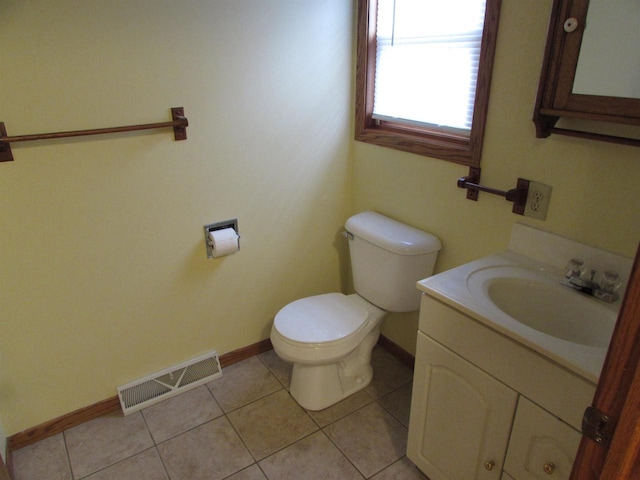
x,y
536,299
520,297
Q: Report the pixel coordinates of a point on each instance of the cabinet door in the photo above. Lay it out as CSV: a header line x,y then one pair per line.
x,y
541,447
460,417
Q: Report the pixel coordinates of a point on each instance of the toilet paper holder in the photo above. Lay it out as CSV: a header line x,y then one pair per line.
x,y
219,226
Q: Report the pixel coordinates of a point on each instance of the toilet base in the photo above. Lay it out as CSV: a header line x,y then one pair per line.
x,y
316,387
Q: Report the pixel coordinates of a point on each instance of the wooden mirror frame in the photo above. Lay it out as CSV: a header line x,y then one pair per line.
x,y
555,90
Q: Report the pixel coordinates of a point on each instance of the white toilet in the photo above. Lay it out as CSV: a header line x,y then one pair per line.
x,y
329,338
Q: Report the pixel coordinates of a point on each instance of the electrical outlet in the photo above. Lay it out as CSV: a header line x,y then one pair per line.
x,y
537,201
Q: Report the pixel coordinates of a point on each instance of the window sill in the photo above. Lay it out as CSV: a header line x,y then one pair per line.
x,y
451,148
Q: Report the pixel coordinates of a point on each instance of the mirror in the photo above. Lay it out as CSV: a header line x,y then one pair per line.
x,y
609,59
590,73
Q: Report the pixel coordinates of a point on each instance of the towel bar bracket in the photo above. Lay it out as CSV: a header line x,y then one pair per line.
x,y
5,148
516,195
180,129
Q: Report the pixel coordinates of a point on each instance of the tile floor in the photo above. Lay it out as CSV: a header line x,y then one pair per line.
x,y
242,426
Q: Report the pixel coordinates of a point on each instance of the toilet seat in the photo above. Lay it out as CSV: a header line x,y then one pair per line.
x,y
322,319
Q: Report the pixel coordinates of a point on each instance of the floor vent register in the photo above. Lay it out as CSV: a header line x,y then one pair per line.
x,y
172,381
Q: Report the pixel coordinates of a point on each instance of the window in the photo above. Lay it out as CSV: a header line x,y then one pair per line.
x,y
423,75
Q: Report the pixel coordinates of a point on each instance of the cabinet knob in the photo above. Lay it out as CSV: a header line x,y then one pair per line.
x,y
549,468
570,24
489,464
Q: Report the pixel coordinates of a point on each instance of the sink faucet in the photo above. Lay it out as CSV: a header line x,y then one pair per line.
x,y
577,277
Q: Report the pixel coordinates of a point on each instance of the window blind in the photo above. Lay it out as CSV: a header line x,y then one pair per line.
x,y
428,53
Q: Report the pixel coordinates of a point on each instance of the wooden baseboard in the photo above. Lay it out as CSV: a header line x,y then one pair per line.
x,y
245,352
397,351
110,405
4,472
60,424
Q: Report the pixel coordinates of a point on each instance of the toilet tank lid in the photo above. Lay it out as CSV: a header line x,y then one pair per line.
x,y
392,235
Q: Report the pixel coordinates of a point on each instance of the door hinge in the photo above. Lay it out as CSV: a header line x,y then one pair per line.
x,y
598,426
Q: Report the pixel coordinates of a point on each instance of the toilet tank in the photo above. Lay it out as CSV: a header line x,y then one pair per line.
x,y
388,258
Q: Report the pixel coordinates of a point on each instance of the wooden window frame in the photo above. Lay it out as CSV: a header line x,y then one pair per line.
x,y
422,141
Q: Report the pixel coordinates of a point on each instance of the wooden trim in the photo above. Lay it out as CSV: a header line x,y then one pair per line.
x,y
624,453
245,352
619,383
110,405
60,424
4,471
555,98
397,351
595,136
623,460
483,84
421,141
365,66
565,63
618,109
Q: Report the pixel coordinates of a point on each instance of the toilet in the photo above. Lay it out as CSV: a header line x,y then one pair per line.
x,y
329,338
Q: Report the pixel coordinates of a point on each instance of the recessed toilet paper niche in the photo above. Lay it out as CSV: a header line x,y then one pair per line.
x,y
222,238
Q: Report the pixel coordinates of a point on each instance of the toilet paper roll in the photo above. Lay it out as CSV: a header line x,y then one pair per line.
x,y
224,242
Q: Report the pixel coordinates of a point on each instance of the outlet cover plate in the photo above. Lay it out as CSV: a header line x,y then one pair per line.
x,y
537,201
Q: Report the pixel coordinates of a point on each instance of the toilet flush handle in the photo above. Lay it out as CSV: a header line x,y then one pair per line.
x,y
347,234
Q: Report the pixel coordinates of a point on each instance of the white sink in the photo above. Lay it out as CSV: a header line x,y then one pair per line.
x,y
522,299
536,299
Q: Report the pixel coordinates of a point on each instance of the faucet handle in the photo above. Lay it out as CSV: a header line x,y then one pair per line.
x,y
610,281
575,268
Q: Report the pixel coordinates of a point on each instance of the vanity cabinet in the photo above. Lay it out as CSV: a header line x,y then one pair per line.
x,y
465,420
541,446
486,407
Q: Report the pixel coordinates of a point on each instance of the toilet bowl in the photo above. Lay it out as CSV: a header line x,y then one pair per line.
x,y
329,337
331,356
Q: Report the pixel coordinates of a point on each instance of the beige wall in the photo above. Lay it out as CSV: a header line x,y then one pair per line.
x,y
595,198
104,276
